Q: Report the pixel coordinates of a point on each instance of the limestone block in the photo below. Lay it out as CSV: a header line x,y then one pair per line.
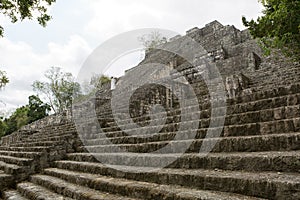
x,y
296,122
266,128
293,100
235,84
254,61
175,38
266,115
292,111
279,113
192,30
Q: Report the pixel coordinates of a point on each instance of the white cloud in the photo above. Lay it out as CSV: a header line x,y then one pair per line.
x,y
69,56
77,26
114,16
23,65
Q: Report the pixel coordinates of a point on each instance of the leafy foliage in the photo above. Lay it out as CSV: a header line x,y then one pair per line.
x,y
3,79
24,115
24,9
89,88
279,27
37,109
60,89
152,40
97,81
18,119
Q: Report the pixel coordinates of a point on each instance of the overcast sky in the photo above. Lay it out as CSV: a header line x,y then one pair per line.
x,y
79,26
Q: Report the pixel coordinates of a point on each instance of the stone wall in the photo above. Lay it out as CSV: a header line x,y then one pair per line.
x,y
34,127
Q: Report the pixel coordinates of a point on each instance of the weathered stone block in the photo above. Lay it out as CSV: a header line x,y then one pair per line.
x,y
296,123
254,61
293,100
288,126
266,128
279,113
266,115
292,111
235,84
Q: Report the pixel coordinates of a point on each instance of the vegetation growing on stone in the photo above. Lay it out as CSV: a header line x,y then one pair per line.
x,y
152,40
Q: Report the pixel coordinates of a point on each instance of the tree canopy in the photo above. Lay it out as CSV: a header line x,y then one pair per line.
x,y
98,80
279,27
60,89
3,79
152,40
35,110
24,9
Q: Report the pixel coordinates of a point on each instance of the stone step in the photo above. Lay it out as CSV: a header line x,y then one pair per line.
x,y
57,127
16,160
25,149
272,127
259,95
269,185
247,98
266,105
11,168
6,181
33,191
31,155
35,144
49,134
272,142
46,134
73,190
36,161
262,115
13,195
167,136
282,161
48,139
136,139
137,189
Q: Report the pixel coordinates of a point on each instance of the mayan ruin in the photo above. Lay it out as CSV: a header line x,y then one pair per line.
x,y
196,145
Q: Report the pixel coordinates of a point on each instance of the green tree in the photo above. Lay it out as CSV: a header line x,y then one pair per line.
x,y
97,81
3,79
60,89
90,87
24,9
279,27
18,119
152,40
37,109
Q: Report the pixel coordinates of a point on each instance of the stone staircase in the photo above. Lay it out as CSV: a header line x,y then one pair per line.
x,y
35,151
254,155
